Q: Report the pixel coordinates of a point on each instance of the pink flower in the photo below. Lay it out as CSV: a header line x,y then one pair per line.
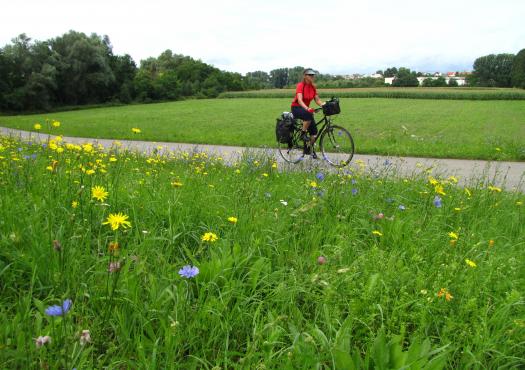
x,y
114,266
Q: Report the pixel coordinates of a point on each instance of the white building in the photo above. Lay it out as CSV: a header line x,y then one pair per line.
x,y
460,80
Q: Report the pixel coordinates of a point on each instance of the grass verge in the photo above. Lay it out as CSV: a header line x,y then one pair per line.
x,y
295,270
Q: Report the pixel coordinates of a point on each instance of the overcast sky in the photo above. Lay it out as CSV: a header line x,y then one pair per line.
x,y
334,36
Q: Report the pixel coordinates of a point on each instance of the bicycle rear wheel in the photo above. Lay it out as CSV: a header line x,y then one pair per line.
x,y
292,152
337,146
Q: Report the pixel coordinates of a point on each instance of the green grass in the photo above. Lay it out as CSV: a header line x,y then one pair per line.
x,y
446,93
404,127
261,300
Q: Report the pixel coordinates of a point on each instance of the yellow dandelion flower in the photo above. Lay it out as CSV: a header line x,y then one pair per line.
x,y
209,237
491,243
88,148
494,189
439,189
274,165
55,123
115,220
457,209
237,171
378,233
433,181
99,193
136,130
232,219
313,184
470,263
176,184
74,204
112,159
37,126
453,235
90,172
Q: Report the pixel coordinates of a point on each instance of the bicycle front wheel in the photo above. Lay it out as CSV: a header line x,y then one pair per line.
x,y
337,146
292,152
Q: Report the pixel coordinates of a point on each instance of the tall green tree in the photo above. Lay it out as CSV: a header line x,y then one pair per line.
x,y
84,72
518,70
279,77
492,70
405,78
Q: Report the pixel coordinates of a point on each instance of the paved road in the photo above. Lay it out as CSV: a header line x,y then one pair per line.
x,y
507,175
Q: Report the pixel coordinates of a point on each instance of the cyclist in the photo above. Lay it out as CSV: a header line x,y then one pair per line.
x,y
304,94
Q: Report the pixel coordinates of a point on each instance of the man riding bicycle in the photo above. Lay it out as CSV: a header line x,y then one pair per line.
x,y
304,94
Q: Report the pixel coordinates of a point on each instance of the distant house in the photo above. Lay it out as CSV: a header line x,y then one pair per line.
x,y
460,80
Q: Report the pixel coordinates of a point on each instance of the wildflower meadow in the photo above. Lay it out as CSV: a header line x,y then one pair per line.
x,y
116,259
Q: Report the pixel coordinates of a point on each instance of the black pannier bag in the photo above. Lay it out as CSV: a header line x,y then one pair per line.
x,y
284,128
331,107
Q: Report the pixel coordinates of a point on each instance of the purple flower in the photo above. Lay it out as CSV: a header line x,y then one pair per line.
x,y
354,181
320,176
402,207
437,201
59,311
189,271
354,191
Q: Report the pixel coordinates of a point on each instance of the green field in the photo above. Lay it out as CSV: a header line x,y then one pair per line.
x,y
404,127
313,271
446,93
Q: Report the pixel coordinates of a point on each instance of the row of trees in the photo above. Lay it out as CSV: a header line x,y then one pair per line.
x,y
76,69
499,70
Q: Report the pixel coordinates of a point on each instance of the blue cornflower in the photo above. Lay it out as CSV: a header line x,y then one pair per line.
x,y
189,271
402,207
20,149
354,191
321,193
354,181
320,176
437,201
58,310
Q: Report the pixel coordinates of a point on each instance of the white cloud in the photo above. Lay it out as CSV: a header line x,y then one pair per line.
x,y
337,36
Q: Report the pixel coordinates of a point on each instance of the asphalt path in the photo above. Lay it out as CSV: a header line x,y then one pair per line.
x,y
506,175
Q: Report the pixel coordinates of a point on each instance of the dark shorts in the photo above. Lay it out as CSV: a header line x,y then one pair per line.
x,y
301,113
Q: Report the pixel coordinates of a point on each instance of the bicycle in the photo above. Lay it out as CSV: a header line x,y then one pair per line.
x,y
335,142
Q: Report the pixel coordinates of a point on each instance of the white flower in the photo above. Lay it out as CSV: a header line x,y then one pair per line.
x,y
283,202
85,337
40,341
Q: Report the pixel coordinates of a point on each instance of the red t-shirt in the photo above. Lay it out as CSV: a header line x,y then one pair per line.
x,y
309,94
